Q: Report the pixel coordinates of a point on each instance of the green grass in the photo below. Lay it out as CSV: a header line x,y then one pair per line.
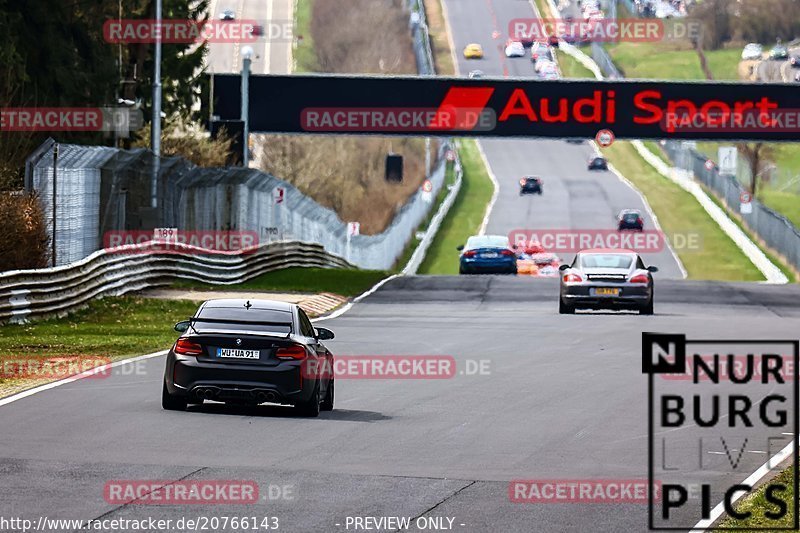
x,y
465,215
440,44
757,504
672,61
304,54
784,202
679,213
656,149
110,327
345,282
571,68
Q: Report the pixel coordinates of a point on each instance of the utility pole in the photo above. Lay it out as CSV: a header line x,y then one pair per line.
x,y
155,126
55,177
247,58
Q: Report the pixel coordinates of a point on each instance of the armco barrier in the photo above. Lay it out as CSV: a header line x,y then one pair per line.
x,y
55,291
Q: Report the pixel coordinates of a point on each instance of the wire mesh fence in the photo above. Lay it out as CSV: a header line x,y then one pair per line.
x,y
775,229
104,190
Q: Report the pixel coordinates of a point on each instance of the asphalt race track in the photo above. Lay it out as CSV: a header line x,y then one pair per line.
x,y
563,397
574,197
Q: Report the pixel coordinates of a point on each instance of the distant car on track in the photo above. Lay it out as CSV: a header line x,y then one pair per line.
x,y
779,53
530,185
795,61
630,219
475,74
249,352
228,14
752,51
473,51
598,163
606,279
487,254
515,49
540,50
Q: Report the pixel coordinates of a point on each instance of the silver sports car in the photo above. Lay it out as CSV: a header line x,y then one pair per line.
x,y
606,279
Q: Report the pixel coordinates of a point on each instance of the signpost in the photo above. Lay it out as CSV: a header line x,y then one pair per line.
x,y
728,160
353,229
427,191
745,203
604,138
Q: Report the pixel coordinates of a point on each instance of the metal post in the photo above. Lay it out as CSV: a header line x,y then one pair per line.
x,y
155,127
427,156
55,176
245,110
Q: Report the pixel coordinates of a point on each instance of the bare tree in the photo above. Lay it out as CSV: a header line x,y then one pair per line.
x,y
757,155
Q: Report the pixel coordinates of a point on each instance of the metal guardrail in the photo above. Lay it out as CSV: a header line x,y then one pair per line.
x,y
422,38
46,292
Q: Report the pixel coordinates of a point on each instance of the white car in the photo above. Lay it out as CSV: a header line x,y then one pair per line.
x,y
228,14
752,51
548,69
543,65
475,74
515,49
550,75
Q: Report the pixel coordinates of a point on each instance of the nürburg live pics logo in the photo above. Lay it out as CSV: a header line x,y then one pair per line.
x,y
722,423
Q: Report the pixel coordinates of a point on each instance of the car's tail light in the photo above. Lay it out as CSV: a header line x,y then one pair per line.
x,y
294,351
186,347
507,253
639,278
640,220
572,278
470,253
522,182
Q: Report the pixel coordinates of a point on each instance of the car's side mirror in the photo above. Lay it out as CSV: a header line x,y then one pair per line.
x,y
563,267
652,268
460,247
324,334
182,326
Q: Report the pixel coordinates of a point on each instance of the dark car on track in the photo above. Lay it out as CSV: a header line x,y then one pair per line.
x,y
530,185
490,254
249,352
630,219
598,163
606,279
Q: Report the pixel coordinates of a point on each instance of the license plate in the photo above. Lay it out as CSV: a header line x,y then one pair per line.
x,y
237,353
489,255
606,291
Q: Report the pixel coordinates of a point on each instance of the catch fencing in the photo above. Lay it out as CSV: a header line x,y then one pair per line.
x,y
101,190
775,229
422,39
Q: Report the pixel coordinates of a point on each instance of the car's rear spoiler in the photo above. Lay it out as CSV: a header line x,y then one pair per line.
x,y
262,323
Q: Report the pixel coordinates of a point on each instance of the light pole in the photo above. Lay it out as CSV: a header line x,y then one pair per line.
x,y
155,127
247,55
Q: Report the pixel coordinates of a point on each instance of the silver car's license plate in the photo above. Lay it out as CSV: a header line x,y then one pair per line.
x,y
489,255
237,353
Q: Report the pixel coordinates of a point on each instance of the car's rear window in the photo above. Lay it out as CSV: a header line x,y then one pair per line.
x,y
631,217
235,314
487,241
606,261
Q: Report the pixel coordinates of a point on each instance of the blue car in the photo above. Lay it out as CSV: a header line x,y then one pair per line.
x,y
490,254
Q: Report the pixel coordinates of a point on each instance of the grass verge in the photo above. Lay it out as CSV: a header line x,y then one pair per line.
x,y
465,215
679,212
440,44
757,504
571,68
111,328
675,60
305,57
345,282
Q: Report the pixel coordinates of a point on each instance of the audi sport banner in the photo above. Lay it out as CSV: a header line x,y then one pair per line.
x,y
512,107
